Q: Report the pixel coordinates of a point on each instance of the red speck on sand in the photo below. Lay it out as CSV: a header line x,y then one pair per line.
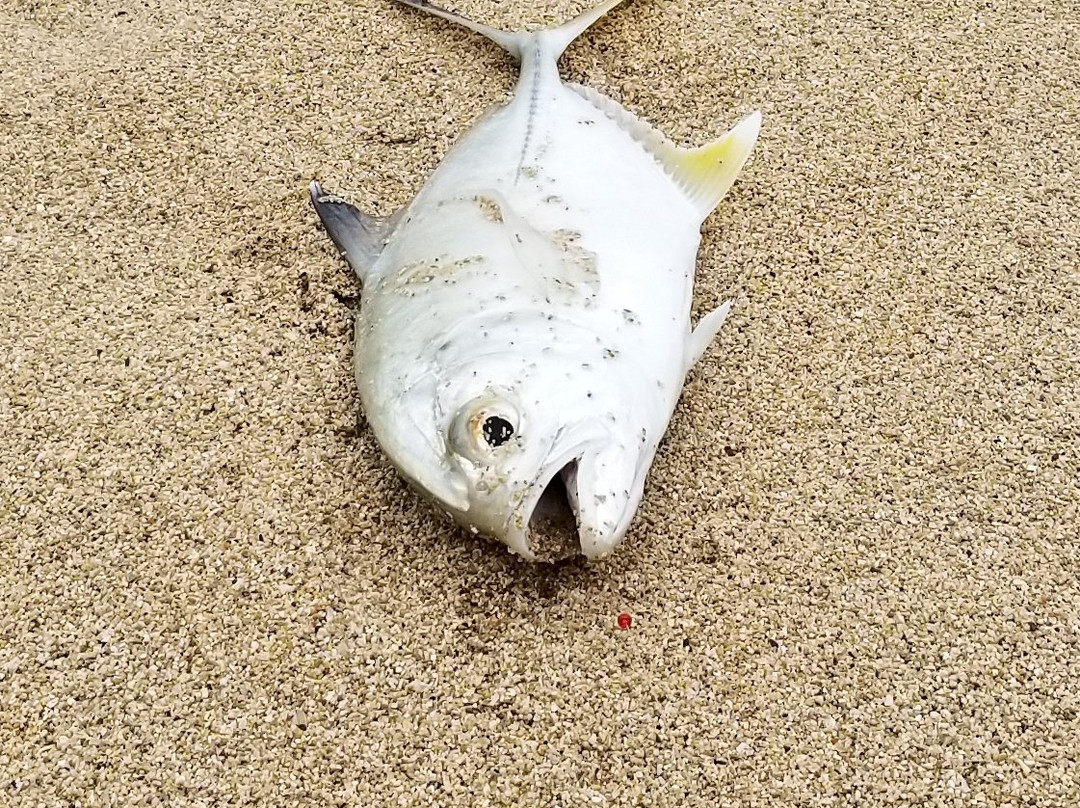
x,y
624,621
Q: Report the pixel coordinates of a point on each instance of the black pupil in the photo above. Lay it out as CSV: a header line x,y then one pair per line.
x,y
497,431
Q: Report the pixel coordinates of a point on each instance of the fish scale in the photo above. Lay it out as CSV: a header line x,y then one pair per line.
x,y
524,327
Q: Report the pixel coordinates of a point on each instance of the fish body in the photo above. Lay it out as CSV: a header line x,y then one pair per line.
x,y
523,333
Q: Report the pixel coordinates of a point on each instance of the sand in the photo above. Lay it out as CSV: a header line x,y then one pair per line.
x,y
854,577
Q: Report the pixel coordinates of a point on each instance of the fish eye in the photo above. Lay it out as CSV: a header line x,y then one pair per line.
x,y
497,430
484,424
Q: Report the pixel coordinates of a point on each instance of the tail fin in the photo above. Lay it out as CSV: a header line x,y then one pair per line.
x,y
557,38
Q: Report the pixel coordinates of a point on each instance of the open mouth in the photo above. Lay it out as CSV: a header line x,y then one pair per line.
x,y
553,525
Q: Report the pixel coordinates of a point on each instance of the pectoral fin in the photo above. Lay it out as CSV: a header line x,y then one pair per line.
x,y
359,237
703,333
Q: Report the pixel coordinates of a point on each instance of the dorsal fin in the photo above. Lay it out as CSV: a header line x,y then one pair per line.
x,y
359,237
704,174
555,39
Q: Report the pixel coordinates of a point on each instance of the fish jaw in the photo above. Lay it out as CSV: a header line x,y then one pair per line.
x,y
548,506
579,504
609,484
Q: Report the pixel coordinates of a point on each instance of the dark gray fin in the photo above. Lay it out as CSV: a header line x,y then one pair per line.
x,y
509,41
554,40
360,238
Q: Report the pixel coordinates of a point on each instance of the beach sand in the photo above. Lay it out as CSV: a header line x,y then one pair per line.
x,y
855,576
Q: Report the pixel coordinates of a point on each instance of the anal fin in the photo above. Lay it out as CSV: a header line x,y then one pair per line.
x,y
704,174
707,173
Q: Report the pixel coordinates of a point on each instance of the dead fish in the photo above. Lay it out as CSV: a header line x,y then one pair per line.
x,y
524,328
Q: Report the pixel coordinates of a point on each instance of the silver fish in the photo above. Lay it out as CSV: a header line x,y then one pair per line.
x,y
524,328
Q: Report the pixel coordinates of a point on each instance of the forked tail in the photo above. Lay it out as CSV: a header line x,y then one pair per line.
x,y
555,39
704,174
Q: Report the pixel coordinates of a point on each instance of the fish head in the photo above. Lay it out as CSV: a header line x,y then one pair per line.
x,y
548,475
503,426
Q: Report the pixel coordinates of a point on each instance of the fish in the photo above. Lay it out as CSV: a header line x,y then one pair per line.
x,y
524,327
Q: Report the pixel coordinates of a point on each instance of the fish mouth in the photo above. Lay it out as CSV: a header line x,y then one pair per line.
x,y
553,525
552,521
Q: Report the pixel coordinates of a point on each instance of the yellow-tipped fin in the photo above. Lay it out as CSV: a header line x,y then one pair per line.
x,y
707,173
704,174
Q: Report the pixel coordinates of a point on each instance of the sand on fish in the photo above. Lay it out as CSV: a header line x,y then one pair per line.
x,y
854,577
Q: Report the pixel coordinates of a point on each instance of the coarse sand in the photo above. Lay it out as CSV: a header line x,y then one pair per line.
x,y
854,577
